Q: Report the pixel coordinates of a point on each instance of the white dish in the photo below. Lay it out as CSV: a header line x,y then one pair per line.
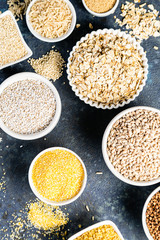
x,y
144,213
106,222
104,146
29,52
45,39
120,34
105,14
53,123
49,201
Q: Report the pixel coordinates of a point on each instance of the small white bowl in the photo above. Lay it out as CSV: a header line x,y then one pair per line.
x,y
104,147
29,52
45,39
106,222
105,14
50,202
136,45
144,213
53,123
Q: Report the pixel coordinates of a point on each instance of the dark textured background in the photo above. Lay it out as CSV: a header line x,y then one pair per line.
x,y
80,128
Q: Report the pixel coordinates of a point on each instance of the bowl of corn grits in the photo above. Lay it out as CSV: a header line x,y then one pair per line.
x,y
57,176
102,230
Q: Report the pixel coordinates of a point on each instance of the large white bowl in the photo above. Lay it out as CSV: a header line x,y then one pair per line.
x,y
144,213
106,222
53,123
45,39
29,52
104,147
49,201
105,14
136,45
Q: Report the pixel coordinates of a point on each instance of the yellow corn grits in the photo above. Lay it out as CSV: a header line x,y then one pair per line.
x,y
58,175
45,217
105,232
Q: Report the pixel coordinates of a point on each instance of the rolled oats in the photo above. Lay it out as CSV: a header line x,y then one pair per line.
x,y
106,68
142,22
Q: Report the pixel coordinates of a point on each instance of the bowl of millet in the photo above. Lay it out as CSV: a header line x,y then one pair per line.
x,y
131,144
51,20
57,176
151,215
100,8
30,106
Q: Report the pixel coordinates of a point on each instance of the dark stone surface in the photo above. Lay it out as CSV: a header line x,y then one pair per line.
x,y
80,128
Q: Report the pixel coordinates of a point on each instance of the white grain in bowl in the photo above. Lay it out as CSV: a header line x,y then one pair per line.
x,y
106,222
146,230
107,89
107,158
42,198
104,14
52,122
47,39
13,48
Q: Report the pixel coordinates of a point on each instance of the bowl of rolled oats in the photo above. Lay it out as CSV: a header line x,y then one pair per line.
x,y
107,69
131,144
30,106
51,20
13,48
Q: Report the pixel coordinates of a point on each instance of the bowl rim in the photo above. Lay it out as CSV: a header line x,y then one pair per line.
x,y
45,39
104,14
136,44
50,202
105,155
29,51
145,228
105,222
23,76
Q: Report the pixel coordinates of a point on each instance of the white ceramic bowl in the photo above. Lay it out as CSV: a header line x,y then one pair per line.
x,y
136,45
106,222
49,201
53,123
105,14
106,157
45,39
144,213
29,52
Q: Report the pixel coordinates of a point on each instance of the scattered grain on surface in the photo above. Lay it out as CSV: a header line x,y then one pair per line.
x,y
155,47
153,216
46,217
36,220
142,22
50,18
100,6
18,7
27,106
58,175
90,26
105,232
78,25
133,145
11,45
49,66
107,69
